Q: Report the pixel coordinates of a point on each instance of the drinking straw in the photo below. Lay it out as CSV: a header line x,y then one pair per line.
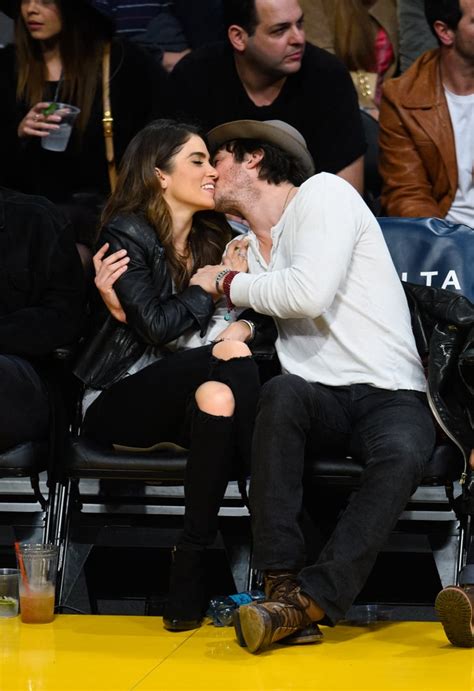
x,y
24,577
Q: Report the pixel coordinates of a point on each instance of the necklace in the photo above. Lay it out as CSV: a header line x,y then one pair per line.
x,y
287,199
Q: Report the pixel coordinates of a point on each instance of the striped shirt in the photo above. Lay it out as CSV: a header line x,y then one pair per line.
x,y
133,16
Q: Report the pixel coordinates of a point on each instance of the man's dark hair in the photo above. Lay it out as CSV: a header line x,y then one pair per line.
x,y
447,11
277,165
241,12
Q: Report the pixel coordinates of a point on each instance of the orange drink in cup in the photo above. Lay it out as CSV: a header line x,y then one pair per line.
x,y
37,604
38,567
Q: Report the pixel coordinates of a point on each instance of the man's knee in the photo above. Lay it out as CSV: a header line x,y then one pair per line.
x,y
408,454
285,385
284,392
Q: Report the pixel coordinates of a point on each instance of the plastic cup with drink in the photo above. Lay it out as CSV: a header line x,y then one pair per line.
x,y
57,140
9,592
38,567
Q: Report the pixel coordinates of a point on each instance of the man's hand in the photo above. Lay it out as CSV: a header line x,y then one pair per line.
x,y
235,259
235,256
107,271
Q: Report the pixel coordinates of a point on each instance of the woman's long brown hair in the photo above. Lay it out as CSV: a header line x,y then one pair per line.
x,y
354,34
81,44
138,191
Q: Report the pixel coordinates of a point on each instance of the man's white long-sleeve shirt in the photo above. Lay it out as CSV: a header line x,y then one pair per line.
x,y
333,290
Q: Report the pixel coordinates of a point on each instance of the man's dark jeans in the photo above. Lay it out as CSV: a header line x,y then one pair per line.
x,y
390,432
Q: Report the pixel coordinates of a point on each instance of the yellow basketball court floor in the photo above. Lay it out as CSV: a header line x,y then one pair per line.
x,y
125,653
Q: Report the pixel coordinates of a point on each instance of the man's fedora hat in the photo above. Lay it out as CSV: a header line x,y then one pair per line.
x,y
274,132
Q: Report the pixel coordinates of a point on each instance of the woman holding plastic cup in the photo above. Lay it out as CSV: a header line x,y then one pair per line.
x,y
51,84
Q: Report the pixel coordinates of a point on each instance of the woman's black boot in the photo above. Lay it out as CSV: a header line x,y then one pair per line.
x,y
187,599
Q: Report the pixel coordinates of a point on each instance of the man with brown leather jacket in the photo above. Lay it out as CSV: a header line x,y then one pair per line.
x,y
427,121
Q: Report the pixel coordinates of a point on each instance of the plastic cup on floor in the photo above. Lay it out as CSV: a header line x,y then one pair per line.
x,y
38,565
9,592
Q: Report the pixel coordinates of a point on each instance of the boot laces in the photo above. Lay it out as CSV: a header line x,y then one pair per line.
x,y
289,611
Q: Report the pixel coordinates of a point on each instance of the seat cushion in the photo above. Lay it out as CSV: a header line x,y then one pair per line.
x,y
445,464
87,458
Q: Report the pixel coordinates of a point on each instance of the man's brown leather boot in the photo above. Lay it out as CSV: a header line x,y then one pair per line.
x,y
455,608
278,584
263,623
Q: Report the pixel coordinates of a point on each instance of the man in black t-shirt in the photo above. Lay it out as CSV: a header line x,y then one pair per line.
x,y
266,72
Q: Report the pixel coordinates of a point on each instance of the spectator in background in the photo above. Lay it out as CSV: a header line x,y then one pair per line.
x,y
168,29
427,123
203,21
415,33
363,34
318,23
41,308
58,56
366,40
153,25
265,71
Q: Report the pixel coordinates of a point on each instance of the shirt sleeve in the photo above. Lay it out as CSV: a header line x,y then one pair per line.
x,y
320,251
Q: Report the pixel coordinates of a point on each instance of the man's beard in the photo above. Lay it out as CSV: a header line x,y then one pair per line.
x,y
226,204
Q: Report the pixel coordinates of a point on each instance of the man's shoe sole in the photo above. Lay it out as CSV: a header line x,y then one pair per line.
x,y
310,634
250,627
238,628
453,607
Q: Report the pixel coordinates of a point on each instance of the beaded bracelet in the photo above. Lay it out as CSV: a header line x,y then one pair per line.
x,y
228,278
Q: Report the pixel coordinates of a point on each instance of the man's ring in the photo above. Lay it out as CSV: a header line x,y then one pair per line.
x,y
35,117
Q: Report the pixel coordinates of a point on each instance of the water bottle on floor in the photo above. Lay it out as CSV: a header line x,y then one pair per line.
x,y
222,607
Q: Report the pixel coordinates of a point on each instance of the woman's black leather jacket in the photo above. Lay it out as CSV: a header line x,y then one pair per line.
x,y
155,315
443,324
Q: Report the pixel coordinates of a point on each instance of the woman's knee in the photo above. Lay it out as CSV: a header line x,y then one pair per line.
x,y
215,398
227,350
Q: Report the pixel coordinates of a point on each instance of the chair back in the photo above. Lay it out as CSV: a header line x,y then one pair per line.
x,y
432,252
